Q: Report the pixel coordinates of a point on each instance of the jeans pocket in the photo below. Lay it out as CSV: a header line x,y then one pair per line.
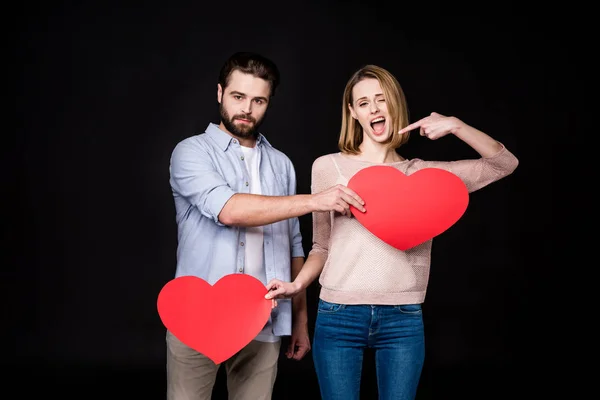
x,y
414,309
328,308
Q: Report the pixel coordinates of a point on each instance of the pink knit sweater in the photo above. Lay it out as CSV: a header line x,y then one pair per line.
x,y
363,269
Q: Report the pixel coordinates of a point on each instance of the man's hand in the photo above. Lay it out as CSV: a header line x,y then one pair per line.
x,y
338,198
300,342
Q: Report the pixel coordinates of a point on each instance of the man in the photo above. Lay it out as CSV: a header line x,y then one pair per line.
x,y
237,212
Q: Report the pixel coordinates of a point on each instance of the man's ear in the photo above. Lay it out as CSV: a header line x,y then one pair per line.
x,y
219,93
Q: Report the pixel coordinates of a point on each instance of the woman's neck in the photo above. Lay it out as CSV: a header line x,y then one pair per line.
x,y
377,153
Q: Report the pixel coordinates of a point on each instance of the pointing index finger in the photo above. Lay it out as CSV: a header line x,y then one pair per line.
x,y
411,127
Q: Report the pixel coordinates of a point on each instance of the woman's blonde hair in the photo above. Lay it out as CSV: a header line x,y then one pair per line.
x,y
351,133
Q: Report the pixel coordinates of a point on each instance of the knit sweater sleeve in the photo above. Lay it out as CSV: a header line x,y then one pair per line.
x,y
323,176
477,173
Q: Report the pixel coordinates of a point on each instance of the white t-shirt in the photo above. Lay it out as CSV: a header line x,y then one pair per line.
x,y
254,263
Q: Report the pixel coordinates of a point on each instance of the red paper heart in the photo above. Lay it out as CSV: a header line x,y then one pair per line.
x,y
217,320
407,210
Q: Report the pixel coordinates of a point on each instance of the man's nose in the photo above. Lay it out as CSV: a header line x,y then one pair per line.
x,y
247,107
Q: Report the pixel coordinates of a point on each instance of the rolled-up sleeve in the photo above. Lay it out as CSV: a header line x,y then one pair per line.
x,y
194,177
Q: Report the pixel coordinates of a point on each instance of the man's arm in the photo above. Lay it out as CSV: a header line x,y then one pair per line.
x,y
299,307
194,177
300,341
256,210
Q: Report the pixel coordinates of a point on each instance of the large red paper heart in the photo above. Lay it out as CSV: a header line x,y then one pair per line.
x,y
217,320
407,210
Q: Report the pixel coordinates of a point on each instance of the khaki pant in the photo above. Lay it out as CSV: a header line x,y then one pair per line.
x,y
250,373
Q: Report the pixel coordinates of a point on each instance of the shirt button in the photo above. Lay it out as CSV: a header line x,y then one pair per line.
x,y
246,183
242,157
241,243
241,269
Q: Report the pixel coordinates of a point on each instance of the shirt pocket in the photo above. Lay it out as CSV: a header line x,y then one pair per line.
x,y
278,185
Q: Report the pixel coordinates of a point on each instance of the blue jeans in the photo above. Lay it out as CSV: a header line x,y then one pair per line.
x,y
342,332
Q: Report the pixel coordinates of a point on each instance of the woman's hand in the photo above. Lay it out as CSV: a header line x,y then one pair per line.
x,y
435,126
282,290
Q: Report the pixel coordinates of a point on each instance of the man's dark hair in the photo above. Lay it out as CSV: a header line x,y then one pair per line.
x,y
250,63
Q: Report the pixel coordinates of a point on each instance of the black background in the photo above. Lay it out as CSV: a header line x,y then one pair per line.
x,y
104,91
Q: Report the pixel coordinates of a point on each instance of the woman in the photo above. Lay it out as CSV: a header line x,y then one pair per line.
x,y
371,292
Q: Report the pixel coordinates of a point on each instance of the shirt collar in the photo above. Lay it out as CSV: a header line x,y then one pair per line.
x,y
223,139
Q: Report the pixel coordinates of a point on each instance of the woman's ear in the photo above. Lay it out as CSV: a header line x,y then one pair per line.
x,y
352,111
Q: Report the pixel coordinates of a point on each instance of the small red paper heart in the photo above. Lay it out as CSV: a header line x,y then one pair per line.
x,y
407,210
217,320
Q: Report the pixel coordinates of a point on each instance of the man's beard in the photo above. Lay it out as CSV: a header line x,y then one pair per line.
x,y
245,131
